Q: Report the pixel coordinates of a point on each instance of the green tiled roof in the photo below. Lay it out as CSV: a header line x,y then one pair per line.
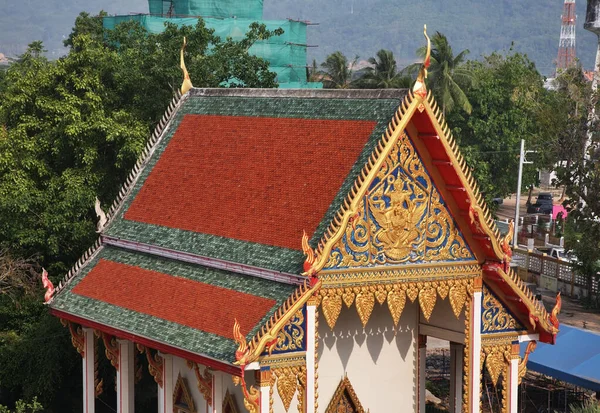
x,y
378,106
160,330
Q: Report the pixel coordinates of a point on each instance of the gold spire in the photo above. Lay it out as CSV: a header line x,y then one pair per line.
x,y
187,83
419,87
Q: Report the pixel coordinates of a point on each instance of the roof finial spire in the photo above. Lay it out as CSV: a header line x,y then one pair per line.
x,y
187,83
419,88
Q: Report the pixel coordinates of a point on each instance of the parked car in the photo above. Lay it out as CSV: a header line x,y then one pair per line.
x,y
543,204
497,201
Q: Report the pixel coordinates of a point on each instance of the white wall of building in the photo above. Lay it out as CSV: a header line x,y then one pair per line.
x,y
443,317
380,363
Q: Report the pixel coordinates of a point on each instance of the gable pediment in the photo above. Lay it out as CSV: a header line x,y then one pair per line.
x,y
402,219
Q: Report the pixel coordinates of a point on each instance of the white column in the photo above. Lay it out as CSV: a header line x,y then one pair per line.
x,y
125,377
263,379
310,357
422,369
218,395
513,380
165,393
457,358
89,394
475,348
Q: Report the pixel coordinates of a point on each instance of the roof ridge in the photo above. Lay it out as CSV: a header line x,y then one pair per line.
x,y
300,93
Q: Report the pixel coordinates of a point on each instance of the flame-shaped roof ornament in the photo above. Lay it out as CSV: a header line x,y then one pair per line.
x,y
419,88
187,83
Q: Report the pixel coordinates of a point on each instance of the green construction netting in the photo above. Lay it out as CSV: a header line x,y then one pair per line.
x,y
286,53
244,9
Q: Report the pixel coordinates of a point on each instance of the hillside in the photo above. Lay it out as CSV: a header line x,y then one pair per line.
x,y
356,27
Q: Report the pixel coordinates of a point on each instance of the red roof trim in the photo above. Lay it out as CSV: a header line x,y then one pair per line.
x,y
164,348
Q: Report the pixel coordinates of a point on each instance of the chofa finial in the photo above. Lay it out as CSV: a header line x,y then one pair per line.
x,y
419,88
187,83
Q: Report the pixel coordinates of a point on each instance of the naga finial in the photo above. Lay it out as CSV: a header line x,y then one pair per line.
x,y
419,88
553,318
47,284
187,83
308,251
101,216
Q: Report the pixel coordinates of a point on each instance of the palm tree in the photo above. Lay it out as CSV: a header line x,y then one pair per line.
x,y
338,71
384,73
447,74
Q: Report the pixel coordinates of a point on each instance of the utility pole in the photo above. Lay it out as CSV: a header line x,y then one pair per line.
x,y
522,161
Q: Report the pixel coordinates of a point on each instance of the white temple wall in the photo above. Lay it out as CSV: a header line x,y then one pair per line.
x,y
379,362
443,317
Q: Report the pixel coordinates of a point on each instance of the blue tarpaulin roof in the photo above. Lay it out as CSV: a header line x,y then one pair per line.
x,y
575,358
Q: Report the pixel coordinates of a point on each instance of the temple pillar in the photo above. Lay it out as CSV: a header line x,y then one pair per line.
x,y
456,376
89,394
311,311
422,369
218,395
126,377
165,393
475,346
512,380
263,380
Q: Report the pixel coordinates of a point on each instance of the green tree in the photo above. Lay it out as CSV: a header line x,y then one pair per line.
x,y
70,131
384,73
448,76
337,71
507,99
23,407
575,152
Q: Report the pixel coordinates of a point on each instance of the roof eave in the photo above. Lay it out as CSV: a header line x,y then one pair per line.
x,y
208,361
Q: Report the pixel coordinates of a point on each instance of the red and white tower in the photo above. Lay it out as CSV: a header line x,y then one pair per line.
x,y
566,45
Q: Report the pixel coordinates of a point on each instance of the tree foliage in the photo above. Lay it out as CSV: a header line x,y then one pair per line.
x,y
70,131
337,71
383,73
507,99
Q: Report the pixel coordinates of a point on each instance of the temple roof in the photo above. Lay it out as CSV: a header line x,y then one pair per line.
x,y
208,226
178,304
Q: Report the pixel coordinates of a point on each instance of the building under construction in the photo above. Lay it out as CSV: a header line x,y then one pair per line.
x,y
286,53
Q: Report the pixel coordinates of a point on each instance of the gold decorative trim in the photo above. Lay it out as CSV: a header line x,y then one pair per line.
x,y
467,357
497,360
77,336
204,381
98,383
187,83
419,87
364,298
180,392
301,395
283,360
229,405
407,273
523,364
267,338
111,349
350,206
251,394
287,384
344,393
155,364
264,377
316,362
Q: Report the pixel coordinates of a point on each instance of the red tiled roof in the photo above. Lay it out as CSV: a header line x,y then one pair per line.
x,y
194,304
275,177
